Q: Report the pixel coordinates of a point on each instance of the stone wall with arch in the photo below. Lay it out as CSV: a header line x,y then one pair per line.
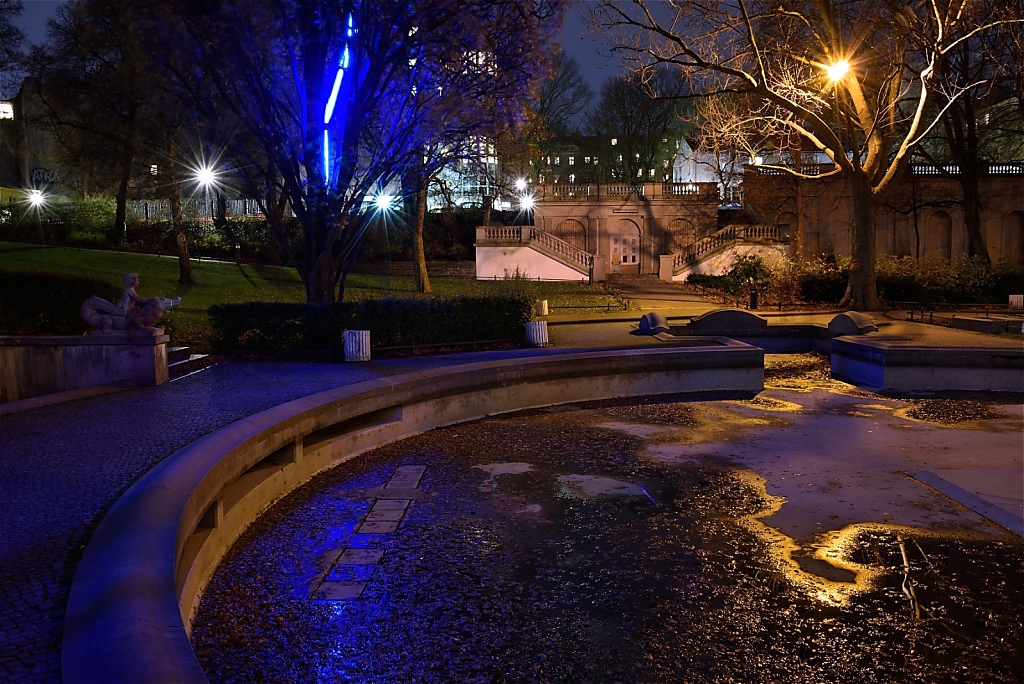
x,y
920,216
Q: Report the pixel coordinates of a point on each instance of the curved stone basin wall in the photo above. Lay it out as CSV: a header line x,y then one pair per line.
x,y
145,568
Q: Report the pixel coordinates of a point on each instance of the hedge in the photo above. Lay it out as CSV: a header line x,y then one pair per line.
x,y
392,322
48,304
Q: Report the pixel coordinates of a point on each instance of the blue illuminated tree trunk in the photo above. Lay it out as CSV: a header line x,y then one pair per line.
x,y
341,98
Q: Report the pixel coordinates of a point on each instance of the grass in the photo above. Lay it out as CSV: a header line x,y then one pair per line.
x,y
224,282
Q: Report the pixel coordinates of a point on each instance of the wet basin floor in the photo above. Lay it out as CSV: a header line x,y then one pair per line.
x,y
776,539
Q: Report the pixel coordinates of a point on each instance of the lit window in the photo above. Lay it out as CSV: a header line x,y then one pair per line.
x,y
154,170
586,160
6,110
595,161
615,141
651,174
572,177
572,161
558,160
620,158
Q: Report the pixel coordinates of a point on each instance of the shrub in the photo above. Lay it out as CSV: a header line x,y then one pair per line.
x,y
392,322
46,303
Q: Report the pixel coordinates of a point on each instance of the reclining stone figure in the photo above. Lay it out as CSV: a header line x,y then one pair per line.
x,y
131,313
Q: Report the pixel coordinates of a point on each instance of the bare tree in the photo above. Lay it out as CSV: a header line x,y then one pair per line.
x,y
980,119
563,96
11,39
94,79
855,79
638,120
342,97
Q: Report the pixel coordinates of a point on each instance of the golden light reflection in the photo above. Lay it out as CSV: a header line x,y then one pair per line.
x,y
834,548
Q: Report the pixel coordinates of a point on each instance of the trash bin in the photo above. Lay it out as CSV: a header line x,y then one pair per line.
x,y
537,333
542,307
357,345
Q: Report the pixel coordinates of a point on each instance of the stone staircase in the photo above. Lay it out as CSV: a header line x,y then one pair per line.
x,y
181,361
547,244
726,239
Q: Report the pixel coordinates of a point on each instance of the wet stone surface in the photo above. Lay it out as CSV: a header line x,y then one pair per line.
x,y
544,547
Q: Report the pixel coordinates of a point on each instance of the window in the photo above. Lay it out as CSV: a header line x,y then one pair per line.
x,y
586,160
572,161
154,170
558,160
615,141
572,177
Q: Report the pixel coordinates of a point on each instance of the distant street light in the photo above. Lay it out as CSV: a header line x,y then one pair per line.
x,y
526,203
36,198
383,202
520,184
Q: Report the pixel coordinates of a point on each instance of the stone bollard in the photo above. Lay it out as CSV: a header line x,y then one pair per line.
x,y
542,307
537,333
357,345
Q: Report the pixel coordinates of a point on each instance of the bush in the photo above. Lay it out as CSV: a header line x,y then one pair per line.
x,y
392,322
48,304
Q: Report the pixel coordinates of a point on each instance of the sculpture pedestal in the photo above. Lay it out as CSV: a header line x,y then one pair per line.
x,y
34,366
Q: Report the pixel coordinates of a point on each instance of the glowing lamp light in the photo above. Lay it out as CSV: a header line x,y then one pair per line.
x,y
36,198
520,184
836,71
526,203
206,176
383,202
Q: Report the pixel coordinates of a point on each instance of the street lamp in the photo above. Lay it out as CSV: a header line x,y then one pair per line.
x,y
207,177
36,199
837,70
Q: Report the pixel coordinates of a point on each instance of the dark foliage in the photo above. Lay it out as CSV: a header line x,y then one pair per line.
x,y
277,327
52,308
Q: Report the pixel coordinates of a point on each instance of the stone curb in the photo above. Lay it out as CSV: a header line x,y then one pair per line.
x,y
144,569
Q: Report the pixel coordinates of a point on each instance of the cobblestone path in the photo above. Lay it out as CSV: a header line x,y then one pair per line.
x,y
62,466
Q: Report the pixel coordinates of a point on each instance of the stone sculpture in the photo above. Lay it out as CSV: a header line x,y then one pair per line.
x,y
132,312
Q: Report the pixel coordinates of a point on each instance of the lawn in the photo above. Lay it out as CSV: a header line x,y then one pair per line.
x,y
223,282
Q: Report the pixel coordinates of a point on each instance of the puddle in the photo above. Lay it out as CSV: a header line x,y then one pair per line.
x,y
592,486
769,555
496,470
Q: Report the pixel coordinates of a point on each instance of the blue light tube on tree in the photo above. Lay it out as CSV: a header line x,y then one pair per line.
x,y
333,99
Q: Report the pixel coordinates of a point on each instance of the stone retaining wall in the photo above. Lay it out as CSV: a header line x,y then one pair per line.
x,y
143,572
34,366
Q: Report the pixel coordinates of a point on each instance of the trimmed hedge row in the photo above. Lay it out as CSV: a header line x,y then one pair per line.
x,y
274,326
46,303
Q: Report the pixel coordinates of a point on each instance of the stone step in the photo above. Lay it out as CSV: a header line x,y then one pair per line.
x,y
175,354
187,363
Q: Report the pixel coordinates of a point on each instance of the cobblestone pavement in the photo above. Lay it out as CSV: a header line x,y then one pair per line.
x,y
62,466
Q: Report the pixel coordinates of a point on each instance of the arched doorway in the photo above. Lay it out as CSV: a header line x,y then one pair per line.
x,y
573,232
938,236
624,247
1013,237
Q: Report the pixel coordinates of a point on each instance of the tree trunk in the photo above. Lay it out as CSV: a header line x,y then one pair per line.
x,y
184,261
861,293
185,276
418,255
976,245
320,284
121,207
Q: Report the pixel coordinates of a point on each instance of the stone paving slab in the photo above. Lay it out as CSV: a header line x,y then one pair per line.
x,y
371,527
360,556
340,591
